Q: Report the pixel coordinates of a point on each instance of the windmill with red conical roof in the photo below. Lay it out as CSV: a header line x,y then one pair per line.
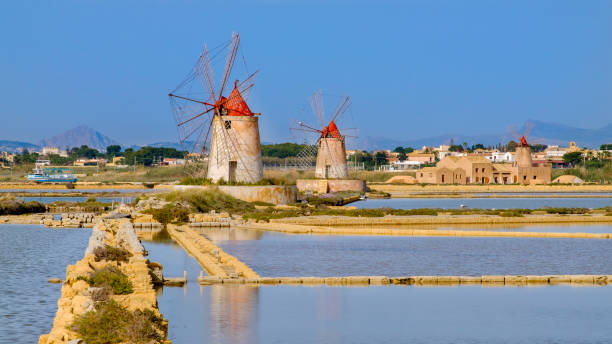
x,y
330,143
224,127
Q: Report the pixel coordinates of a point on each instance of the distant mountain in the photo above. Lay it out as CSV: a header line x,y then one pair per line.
x,y
541,132
82,135
16,146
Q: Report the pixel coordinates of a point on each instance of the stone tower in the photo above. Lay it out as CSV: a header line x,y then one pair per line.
x,y
523,154
235,149
331,155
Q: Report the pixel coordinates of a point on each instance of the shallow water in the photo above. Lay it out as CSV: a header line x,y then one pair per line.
x,y
485,203
29,255
392,314
278,254
77,190
46,200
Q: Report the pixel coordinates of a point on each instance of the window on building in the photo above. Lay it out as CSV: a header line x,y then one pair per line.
x,y
228,124
534,177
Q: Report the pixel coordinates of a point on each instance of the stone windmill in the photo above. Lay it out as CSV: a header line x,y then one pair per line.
x,y
330,143
222,126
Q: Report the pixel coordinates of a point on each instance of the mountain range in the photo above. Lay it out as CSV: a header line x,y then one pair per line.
x,y
537,132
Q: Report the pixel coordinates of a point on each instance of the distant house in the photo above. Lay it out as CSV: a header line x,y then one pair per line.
x,y
172,162
90,162
424,158
479,169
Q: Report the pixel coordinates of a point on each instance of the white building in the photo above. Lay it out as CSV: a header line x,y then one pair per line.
x,y
405,165
497,156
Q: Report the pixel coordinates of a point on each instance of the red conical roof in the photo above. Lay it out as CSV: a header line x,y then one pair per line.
x,y
331,130
523,142
235,105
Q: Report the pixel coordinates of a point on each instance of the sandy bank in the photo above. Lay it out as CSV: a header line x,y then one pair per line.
x,y
408,190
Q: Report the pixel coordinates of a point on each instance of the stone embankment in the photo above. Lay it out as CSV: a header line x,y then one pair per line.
x,y
64,220
408,190
486,280
77,295
390,220
212,258
310,229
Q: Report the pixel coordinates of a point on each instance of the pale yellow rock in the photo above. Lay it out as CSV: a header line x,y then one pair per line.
x,y
493,279
269,280
582,279
312,280
426,280
559,279
358,280
515,280
449,280
290,280
534,280
470,279
335,280
379,280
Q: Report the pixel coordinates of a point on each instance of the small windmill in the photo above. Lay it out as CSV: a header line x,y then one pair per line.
x,y
329,148
203,112
523,151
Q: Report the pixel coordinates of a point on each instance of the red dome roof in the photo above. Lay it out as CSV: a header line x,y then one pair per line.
x,y
331,131
235,104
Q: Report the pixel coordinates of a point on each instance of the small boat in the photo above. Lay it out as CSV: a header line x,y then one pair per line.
x,y
42,174
463,206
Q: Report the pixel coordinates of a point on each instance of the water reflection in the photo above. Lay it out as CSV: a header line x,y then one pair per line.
x,y
392,314
29,255
278,254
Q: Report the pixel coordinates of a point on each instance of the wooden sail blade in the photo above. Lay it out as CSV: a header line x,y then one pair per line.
x,y
229,61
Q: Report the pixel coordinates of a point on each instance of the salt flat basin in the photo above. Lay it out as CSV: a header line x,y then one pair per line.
x,y
29,255
279,254
42,190
46,200
391,314
485,203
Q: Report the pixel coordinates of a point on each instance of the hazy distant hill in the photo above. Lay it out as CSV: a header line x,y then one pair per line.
x,y
542,132
15,146
82,135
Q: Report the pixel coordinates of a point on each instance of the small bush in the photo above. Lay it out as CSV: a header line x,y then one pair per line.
x,y
510,214
110,277
169,213
112,323
565,211
111,253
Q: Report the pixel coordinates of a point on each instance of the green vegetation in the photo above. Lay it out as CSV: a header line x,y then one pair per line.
x,y
10,205
110,277
90,206
282,150
110,253
211,199
170,213
594,172
272,213
109,322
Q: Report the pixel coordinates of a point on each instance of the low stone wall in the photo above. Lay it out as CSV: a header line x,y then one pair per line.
x,y
75,298
440,220
275,194
64,220
486,280
330,185
306,229
212,258
406,189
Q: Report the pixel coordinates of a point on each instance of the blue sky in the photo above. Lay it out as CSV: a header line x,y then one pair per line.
x,y
413,68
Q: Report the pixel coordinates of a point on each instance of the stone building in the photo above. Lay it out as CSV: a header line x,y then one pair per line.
x,y
476,169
